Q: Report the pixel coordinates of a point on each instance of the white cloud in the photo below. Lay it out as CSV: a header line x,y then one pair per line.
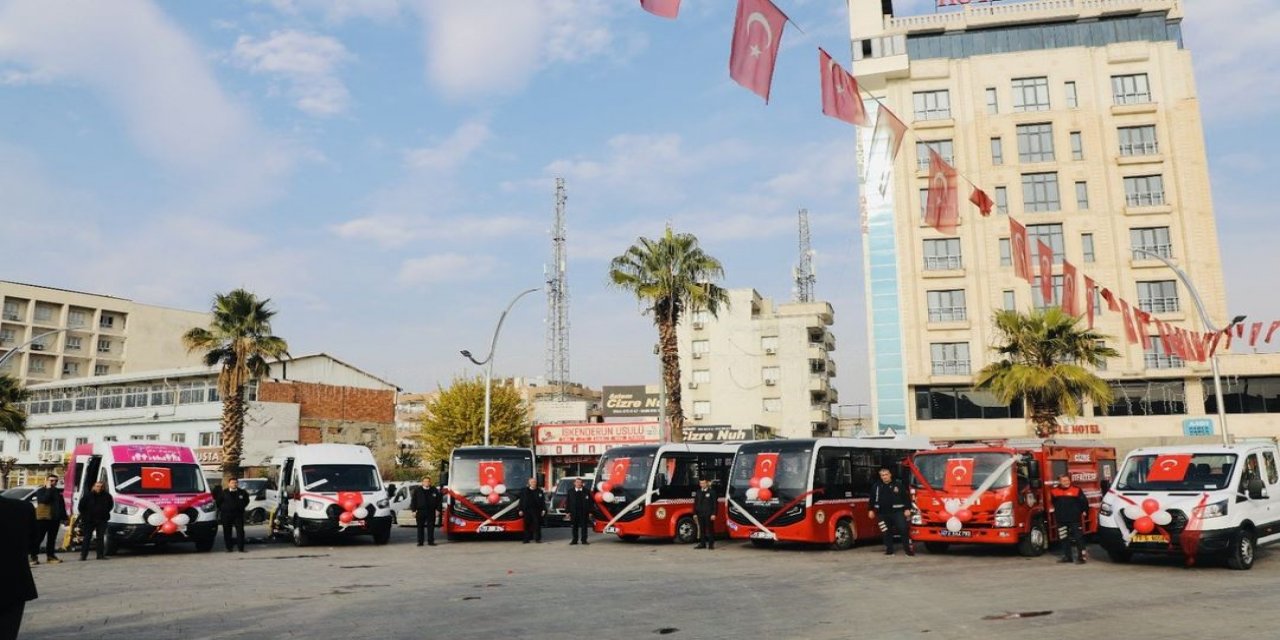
x,y
445,267
397,231
1233,52
453,150
307,62
339,11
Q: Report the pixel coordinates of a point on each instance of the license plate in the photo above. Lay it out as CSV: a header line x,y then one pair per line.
x,y
762,535
1150,537
610,529
490,529
963,533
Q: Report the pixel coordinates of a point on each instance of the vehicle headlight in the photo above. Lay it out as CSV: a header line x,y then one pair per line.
x,y
126,510
1215,510
382,504
1104,509
1004,515
915,514
209,507
312,505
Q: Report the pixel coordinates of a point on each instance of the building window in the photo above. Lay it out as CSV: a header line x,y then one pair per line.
x,y
1082,196
36,365
701,348
702,376
1154,356
1158,296
942,147
993,102
1131,89
1006,254
1002,200
701,409
1010,300
1086,246
1101,363
1050,234
135,397
104,345
44,313
76,318
997,151
1139,141
1244,395
1030,94
179,438
946,306
1073,100
769,344
1040,192
1077,146
110,438
24,446
73,343
942,254
949,358
101,369
1138,398
107,321
162,395
771,375
1038,302
772,405
111,399
1144,191
190,392
1150,239
963,403
11,311
87,400
81,440
1035,142
932,105
210,439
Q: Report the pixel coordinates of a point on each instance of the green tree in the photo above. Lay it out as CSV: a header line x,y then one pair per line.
x,y
239,338
669,276
455,418
13,418
1044,359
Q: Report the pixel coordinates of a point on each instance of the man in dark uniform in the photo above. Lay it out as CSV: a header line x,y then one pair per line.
x,y
425,503
578,503
17,533
1070,506
892,501
95,512
533,505
51,511
231,504
704,509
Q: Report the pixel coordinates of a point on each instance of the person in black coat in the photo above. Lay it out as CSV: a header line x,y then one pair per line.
x,y
891,500
704,509
533,505
1070,506
51,512
17,534
231,505
95,511
578,503
425,503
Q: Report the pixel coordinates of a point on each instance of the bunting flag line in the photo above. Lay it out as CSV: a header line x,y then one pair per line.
x,y
1142,324
1240,330
1271,330
886,140
1019,252
662,8
1089,292
757,32
1069,295
1129,334
1044,255
941,208
1166,338
1254,331
841,98
1112,305
982,201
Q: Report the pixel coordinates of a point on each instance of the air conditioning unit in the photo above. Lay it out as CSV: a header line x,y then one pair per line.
x,y
693,385
769,351
50,456
698,324
699,416
697,355
37,347
771,382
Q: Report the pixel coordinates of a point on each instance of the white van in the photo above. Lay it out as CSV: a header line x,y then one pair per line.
x,y
1218,501
328,490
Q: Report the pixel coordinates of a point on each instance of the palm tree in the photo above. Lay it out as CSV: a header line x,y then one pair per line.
x,y
669,276
13,418
1043,360
239,338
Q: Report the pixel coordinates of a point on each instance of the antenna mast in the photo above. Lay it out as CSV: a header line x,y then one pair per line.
x,y
558,302
805,275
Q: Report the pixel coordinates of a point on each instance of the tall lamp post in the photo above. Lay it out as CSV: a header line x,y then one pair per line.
x,y
1208,326
488,360
14,351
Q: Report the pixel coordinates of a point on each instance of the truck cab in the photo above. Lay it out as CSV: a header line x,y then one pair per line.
x,y
328,490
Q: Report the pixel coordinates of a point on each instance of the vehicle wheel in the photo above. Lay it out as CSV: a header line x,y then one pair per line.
x,y
1243,548
844,535
937,547
1035,542
300,537
761,543
382,534
257,516
205,543
686,530
628,537
1119,555
109,545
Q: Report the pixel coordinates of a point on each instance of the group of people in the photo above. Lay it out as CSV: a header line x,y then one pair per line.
x,y
427,503
51,513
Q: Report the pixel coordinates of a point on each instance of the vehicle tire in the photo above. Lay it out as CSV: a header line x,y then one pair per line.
x,y
205,543
628,537
761,543
1035,542
300,537
257,516
1118,555
109,545
937,547
844,535
686,530
382,534
1244,546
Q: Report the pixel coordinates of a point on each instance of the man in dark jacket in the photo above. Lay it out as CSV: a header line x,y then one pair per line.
x,y
704,509
892,501
95,512
578,503
533,505
51,512
1070,506
17,534
231,504
425,503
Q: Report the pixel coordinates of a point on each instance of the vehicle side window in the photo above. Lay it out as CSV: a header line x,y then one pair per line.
x,y
1269,461
834,473
677,476
866,470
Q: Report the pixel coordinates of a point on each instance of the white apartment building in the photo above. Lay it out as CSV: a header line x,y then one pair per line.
x,y
759,363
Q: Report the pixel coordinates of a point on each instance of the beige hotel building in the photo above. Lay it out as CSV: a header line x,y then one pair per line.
x,y
1081,119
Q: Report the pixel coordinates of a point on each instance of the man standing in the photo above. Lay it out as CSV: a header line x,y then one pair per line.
x,y
579,506
704,509
231,505
533,505
893,503
51,511
1070,506
17,533
95,512
425,504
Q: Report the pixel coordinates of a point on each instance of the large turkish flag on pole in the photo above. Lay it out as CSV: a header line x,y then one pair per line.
x,y
840,96
662,8
942,209
757,33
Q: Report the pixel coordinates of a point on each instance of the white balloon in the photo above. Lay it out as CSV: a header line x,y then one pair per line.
x,y
485,489
360,513
753,494
953,524
952,505
1134,512
500,489
766,482
1161,518
181,519
155,519
608,496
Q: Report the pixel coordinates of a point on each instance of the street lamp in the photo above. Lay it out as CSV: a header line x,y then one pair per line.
x,y
1208,326
488,374
14,351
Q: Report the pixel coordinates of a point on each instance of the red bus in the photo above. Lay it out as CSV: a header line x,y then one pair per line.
x,y
647,491
483,491
811,490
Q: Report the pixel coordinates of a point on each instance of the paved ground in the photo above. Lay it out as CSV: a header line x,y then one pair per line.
x,y
612,589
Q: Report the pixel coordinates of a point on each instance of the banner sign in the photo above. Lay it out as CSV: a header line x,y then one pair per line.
x,y
629,401
725,433
592,438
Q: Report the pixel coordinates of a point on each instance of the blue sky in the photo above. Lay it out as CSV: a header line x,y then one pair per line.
x,y
383,169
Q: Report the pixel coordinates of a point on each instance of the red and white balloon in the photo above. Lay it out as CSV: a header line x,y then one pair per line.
x,y
169,520
761,488
1147,515
957,514
493,493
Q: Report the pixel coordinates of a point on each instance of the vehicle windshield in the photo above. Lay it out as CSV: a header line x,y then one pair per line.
x,y
467,474
789,479
625,471
253,485
934,467
142,478
1177,472
340,477
18,493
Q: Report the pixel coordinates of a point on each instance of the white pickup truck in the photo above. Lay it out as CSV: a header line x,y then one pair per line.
x,y
1194,501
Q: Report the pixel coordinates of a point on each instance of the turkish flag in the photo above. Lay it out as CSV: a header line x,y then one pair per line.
x,y
1240,330
1211,340
840,96
1142,326
491,473
1226,333
1254,330
1020,253
1166,338
1069,297
1169,467
766,465
1044,254
886,140
618,471
757,33
941,210
157,478
1112,305
959,474
1089,288
662,8
983,201
1129,334
1271,330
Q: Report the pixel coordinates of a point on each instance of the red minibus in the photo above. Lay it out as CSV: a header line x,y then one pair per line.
x,y
647,491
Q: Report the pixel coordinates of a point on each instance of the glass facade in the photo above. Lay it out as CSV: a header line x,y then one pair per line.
x,y
1260,394
962,403
1100,33
1146,398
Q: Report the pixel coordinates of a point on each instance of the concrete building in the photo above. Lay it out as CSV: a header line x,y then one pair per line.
x,y
759,363
103,335
1081,119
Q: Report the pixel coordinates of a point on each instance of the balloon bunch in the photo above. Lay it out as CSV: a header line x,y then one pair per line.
x,y
606,492
493,493
761,489
1147,515
956,514
169,520
351,508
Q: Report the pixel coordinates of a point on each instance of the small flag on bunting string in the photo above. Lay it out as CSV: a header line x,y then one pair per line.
x,y
662,8
1089,292
1069,295
1020,253
886,140
1044,254
941,209
841,98
983,201
1129,334
1271,330
757,32
1254,330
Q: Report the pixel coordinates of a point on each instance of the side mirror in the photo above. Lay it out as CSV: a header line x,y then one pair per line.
x,y
261,495
1257,491
1106,486
391,490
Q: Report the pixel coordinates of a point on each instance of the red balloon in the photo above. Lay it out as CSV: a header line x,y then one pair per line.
x,y
494,498
350,505
754,482
606,487
169,528
1144,525
1150,505
964,515
170,511
346,517
599,497
764,495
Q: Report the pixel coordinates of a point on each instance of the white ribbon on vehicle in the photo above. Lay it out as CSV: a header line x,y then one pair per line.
x,y
629,507
514,504
752,519
986,484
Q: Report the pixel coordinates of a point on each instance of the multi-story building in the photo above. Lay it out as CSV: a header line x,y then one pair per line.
x,y
1081,119
100,335
759,363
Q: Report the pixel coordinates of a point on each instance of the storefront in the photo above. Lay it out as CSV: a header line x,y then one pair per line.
x,y
574,449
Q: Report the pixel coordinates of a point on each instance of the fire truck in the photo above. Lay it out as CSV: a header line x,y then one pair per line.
x,y
997,492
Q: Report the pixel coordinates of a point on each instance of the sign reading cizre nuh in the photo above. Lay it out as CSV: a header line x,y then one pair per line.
x,y
629,401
